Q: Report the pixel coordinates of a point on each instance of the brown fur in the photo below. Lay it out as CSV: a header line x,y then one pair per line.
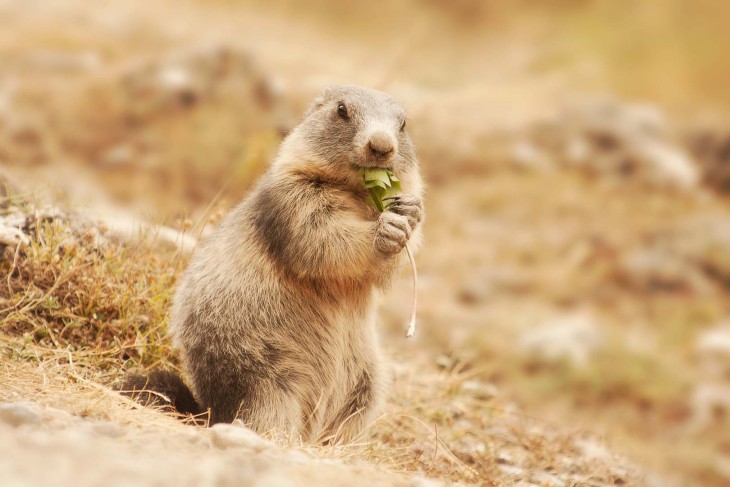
x,y
275,316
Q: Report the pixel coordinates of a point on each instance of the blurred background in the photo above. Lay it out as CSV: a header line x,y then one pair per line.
x,y
577,156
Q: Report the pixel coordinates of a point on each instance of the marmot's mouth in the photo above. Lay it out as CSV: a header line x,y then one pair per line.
x,y
381,185
357,167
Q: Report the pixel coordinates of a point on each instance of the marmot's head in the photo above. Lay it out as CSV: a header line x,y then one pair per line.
x,y
351,126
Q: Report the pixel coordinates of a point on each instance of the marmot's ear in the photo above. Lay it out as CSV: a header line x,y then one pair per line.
x,y
319,101
314,106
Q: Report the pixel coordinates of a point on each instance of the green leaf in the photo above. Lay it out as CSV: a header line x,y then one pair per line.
x,y
380,183
379,174
376,194
394,189
376,183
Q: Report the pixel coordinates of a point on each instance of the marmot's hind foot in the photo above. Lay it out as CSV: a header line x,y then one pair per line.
x,y
162,388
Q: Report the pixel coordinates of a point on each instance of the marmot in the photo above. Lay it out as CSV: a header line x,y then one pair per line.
x,y
275,316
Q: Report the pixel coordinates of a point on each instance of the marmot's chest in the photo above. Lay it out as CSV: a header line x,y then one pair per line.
x,y
352,353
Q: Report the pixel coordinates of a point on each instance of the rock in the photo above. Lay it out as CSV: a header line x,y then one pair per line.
x,y
545,478
708,244
715,344
705,243
118,156
11,235
14,218
611,140
130,228
694,256
297,456
666,164
572,337
710,405
513,472
479,390
659,268
712,352
106,428
711,397
273,478
527,155
485,285
237,436
186,79
711,149
18,414
419,481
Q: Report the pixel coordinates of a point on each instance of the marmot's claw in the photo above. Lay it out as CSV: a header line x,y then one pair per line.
x,y
407,205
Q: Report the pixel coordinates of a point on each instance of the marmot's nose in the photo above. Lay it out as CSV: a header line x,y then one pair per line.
x,y
380,145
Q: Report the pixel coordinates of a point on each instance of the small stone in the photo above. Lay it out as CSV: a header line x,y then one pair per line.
x,y
419,481
234,436
174,77
107,428
710,404
11,226
546,478
572,337
16,414
656,268
715,342
479,390
297,456
118,156
485,285
12,236
513,472
274,478
667,164
444,361
526,155
593,450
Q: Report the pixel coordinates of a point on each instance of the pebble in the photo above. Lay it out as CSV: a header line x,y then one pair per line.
x,y
17,414
572,337
480,390
419,481
107,428
233,436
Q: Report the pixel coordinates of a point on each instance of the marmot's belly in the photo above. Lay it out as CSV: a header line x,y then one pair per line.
x,y
297,378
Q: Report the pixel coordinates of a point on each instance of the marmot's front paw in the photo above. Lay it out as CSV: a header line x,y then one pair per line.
x,y
397,223
392,233
407,205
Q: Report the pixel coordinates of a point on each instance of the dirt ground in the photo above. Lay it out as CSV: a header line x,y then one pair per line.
x,y
573,284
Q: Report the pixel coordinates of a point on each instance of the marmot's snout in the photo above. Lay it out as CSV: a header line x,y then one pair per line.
x,y
381,147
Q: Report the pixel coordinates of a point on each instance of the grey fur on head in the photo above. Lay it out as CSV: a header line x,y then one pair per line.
x,y
369,116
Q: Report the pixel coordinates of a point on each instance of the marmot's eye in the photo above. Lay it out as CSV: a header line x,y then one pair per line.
x,y
403,125
342,111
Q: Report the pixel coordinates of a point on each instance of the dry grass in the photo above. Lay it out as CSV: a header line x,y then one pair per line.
x,y
75,290
79,309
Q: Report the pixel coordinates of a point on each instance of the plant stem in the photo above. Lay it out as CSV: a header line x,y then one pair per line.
x,y
412,324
